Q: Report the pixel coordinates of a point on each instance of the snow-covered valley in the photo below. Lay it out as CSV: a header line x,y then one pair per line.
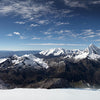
x,y
52,94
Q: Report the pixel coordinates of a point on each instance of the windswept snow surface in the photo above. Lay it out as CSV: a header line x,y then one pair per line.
x,y
55,52
29,60
2,60
53,94
26,60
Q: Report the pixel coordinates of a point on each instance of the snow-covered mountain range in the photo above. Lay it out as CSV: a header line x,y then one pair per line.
x,y
54,68
29,60
4,53
23,61
92,52
55,52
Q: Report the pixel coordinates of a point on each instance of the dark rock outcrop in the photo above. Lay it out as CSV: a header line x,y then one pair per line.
x,y
62,73
51,83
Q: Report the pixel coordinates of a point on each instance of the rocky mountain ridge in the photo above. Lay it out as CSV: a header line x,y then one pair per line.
x,y
92,52
74,69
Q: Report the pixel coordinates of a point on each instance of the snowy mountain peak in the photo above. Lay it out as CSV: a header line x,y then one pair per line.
x,y
92,49
92,52
92,45
54,52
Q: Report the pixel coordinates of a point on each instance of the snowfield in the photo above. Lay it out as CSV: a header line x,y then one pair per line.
x,y
52,94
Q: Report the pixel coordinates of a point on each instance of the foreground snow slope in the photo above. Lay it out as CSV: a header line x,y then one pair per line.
x,y
53,94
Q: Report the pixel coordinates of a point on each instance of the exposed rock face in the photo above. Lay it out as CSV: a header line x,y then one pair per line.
x,y
3,85
51,83
22,61
62,74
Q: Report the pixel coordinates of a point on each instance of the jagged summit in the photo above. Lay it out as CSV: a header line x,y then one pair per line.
x,y
54,51
91,45
91,52
92,49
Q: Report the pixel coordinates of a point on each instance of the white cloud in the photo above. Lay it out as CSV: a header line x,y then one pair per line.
x,y
20,22
43,22
90,36
46,33
88,33
35,38
19,34
63,31
27,9
61,37
56,44
49,37
67,30
98,40
95,2
5,9
9,35
62,23
88,30
32,10
22,37
58,34
81,3
16,33
34,25
75,3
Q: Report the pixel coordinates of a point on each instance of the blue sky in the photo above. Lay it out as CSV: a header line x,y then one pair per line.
x,y
45,24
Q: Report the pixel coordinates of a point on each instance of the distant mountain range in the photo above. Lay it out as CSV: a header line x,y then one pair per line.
x,y
54,68
4,53
92,52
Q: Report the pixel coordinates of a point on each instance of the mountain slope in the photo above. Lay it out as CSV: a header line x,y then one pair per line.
x,y
81,69
59,52
92,52
54,52
23,61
